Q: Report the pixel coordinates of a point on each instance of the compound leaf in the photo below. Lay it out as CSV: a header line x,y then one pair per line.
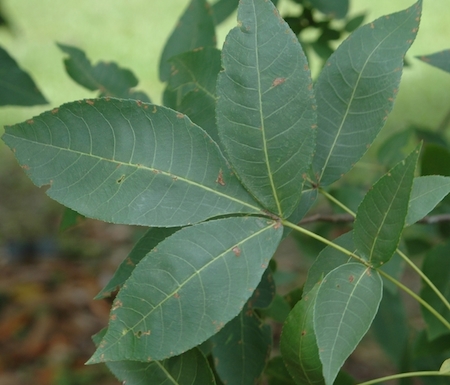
x,y
241,349
439,59
346,304
427,192
108,78
16,86
147,243
381,216
124,161
188,288
298,342
265,108
356,90
195,29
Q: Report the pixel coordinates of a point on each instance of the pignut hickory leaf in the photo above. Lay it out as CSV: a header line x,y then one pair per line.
x,y
265,108
188,288
356,89
381,215
124,161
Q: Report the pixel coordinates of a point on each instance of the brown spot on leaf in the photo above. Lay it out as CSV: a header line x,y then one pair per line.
x,y
176,295
154,109
30,121
117,304
236,251
25,167
278,81
55,111
351,278
90,102
129,262
180,115
303,332
372,25
220,178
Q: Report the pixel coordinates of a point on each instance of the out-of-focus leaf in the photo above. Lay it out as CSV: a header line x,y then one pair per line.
x,y
445,367
356,90
69,219
265,108
188,288
381,216
389,326
193,78
195,29
426,193
435,267
277,373
222,9
265,292
392,150
16,86
278,310
108,78
241,349
147,243
354,23
124,161
435,160
346,304
298,342
439,59
336,9
307,200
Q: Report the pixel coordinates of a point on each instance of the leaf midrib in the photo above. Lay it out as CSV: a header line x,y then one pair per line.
x,y
150,169
195,274
261,116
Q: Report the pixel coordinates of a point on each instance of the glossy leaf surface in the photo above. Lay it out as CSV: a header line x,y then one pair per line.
x,y
108,78
346,304
195,29
241,349
16,86
298,342
356,90
427,192
147,243
439,59
265,109
127,162
435,267
188,288
381,215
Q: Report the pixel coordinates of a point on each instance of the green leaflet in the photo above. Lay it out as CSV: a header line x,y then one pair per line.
x,y
298,342
427,192
124,161
241,349
356,90
381,215
108,78
438,59
265,108
346,304
188,288
147,243
195,29
16,86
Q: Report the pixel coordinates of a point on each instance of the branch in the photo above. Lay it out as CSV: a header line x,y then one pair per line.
x,y
347,218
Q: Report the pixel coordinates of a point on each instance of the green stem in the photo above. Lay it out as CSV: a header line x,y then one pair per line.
x,y
416,297
404,375
424,278
402,255
324,240
336,202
